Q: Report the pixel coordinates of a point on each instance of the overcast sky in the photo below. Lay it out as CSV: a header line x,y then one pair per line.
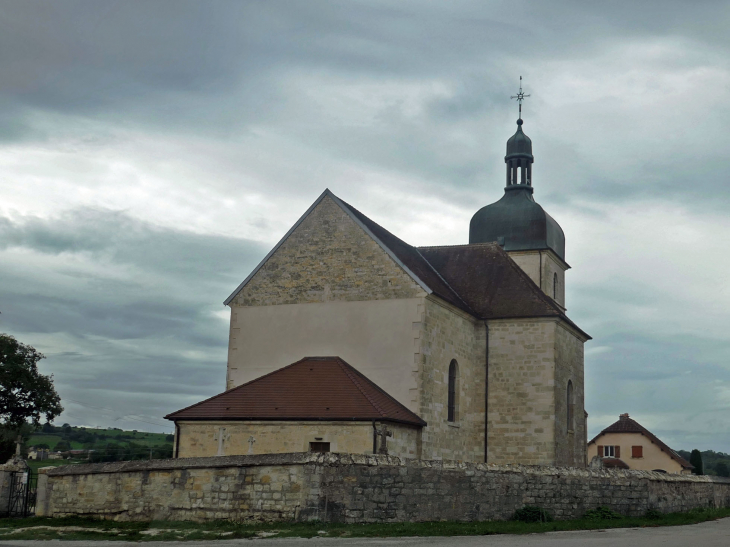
x,y
151,153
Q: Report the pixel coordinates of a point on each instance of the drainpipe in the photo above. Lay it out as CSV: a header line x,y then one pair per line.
x,y
177,440
375,438
486,389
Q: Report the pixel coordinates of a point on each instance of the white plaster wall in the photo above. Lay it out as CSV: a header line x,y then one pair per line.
x,y
376,337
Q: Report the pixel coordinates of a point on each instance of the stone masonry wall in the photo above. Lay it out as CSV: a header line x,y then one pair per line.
x,y
199,439
328,257
447,334
570,440
521,414
339,487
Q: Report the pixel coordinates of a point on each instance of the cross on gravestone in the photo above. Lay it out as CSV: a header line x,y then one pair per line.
x,y
222,437
383,433
251,440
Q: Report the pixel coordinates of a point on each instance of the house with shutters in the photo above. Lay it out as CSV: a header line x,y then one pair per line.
x,y
637,448
461,352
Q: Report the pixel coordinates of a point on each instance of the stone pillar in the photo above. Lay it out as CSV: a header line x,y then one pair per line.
x,y
5,472
42,494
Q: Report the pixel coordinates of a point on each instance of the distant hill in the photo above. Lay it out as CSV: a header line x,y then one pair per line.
x,y
710,459
106,444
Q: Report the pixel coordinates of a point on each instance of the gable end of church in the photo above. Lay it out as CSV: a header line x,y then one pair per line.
x,y
328,255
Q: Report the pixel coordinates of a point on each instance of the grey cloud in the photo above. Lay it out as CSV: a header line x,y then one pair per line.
x,y
150,331
221,69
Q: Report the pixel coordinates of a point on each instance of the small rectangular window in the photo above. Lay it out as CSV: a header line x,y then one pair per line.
x,y
609,452
319,447
637,451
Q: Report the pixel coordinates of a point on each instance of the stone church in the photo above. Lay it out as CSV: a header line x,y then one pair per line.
x,y
347,339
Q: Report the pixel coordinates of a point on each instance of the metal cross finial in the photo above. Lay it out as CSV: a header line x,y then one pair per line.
x,y
520,97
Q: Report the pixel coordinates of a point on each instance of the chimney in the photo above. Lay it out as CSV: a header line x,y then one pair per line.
x,y
624,416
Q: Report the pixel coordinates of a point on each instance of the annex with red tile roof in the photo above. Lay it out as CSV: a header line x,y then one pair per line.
x,y
626,425
312,389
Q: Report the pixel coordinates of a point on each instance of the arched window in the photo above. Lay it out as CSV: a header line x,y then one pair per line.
x,y
453,390
570,406
555,286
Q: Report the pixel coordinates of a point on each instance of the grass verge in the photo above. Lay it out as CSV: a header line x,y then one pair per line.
x,y
90,529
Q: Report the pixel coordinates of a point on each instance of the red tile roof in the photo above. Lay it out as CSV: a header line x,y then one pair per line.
x,y
627,425
315,388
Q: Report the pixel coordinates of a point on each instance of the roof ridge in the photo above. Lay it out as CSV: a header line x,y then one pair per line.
x,y
276,247
353,214
482,244
346,367
382,391
533,286
244,401
475,314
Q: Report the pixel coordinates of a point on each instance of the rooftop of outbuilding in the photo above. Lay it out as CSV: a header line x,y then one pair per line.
x,y
314,388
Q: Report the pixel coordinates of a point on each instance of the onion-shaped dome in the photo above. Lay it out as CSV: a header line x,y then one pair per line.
x,y
519,144
516,221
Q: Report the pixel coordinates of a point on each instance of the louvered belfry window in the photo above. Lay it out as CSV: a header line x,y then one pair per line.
x,y
453,376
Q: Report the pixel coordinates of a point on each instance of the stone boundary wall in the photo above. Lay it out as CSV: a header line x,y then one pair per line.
x,y
357,488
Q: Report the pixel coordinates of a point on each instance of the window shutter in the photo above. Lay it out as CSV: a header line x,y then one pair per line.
x,y
600,450
618,451
637,451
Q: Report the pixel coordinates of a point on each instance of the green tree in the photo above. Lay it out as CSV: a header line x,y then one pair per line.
x,y
62,446
722,469
25,393
695,458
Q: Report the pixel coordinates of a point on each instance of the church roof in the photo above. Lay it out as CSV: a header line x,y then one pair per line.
x,y
412,258
627,425
315,388
480,279
492,284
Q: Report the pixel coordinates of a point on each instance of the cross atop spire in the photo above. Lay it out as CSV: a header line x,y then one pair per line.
x,y
520,97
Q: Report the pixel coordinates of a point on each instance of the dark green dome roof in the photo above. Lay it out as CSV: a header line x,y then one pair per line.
x,y
516,221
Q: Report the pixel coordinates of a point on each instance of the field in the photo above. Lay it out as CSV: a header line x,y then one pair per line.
x,y
104,445
123,438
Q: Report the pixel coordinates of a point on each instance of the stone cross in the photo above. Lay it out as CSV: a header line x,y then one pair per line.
x,y
222,437
251,440
383,433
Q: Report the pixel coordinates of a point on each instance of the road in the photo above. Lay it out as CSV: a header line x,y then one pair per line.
x,y
707,534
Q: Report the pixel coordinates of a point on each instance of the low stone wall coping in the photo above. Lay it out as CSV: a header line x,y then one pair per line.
x,y
331,459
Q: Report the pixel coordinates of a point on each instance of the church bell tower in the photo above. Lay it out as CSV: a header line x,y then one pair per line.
x,y
519,224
